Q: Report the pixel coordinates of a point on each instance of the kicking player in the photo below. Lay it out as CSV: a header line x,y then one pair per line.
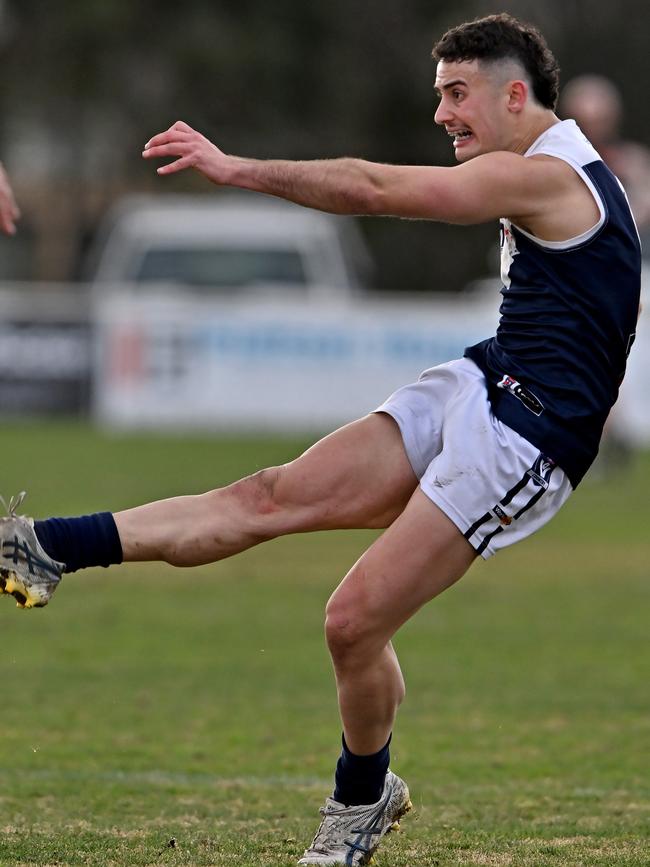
x,y
478,454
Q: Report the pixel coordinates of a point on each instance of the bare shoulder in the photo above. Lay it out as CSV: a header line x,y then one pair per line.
x,y
566,207
530,191
539,194
541,174
542,194
535,177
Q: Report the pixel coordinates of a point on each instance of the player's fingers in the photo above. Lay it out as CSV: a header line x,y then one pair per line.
x,y
11,211
173,149
179,127
7,218
166,137
177,166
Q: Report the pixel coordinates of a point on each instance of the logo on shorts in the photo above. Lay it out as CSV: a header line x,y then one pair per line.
x,y
525,395
541,470
506,520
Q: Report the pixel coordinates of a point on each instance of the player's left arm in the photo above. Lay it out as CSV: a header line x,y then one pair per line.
x,y
494,185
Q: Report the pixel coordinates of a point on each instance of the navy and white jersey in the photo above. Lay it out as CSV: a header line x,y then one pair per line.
x,y
567,318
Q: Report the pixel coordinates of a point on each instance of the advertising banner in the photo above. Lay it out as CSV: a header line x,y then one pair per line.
x,y
278,366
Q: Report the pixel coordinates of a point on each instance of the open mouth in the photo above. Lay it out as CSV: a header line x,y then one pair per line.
x,y
460,136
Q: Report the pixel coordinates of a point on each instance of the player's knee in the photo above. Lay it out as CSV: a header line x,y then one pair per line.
x,y
343,635
349,633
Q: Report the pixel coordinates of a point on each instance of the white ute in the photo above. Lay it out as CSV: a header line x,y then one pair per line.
x,y
229,243
241,311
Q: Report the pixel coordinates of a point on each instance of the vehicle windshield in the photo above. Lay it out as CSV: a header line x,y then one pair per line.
x,y
221,268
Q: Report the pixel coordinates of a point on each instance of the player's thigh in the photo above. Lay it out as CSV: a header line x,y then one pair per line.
x,y
421,554
358,476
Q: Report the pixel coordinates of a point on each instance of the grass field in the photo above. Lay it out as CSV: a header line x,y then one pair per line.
x,y
202,729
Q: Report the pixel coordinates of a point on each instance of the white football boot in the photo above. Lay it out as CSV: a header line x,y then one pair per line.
x,y
27,572
350,835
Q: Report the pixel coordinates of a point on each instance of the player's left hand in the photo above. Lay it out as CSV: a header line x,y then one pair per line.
x,y
192,151
9,211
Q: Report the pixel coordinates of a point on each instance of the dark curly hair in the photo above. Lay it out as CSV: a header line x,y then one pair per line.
x,y
500,37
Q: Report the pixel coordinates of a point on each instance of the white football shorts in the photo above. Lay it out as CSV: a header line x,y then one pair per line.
x,y
490,481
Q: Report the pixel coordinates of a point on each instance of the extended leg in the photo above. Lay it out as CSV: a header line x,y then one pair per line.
x,y
359,476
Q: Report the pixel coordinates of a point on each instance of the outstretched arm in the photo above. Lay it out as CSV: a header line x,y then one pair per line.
x,y
9,211
485,188
340,186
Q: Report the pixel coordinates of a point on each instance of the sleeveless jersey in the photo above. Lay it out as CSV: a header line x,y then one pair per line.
x,y
567,319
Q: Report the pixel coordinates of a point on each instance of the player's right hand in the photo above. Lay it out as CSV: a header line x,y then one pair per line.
x,y
192,151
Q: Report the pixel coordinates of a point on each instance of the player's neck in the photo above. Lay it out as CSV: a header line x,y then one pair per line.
x,y
538,123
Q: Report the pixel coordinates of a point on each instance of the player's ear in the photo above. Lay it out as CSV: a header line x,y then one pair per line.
x,y
517,95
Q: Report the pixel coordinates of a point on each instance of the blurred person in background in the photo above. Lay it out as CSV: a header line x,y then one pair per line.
x,y
9,211
595,103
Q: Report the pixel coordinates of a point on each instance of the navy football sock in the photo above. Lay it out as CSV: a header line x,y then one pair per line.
x,y
360,779
91,540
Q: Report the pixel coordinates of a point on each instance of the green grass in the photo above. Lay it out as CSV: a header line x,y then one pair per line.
x,y
209,718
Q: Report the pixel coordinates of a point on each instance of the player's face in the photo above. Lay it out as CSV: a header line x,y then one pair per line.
x,y
473,108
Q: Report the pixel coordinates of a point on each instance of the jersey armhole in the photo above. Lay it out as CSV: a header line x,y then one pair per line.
x,y
578,240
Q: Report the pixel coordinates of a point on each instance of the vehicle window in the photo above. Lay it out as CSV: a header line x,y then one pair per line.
x,y
221,268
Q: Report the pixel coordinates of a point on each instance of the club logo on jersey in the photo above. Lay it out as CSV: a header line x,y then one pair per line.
x,y
506,520
508,251
541,470
525,395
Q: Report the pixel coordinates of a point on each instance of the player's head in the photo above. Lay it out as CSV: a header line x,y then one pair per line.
x,y
493,74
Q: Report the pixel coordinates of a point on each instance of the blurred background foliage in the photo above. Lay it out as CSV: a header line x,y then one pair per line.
x,y
85,84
